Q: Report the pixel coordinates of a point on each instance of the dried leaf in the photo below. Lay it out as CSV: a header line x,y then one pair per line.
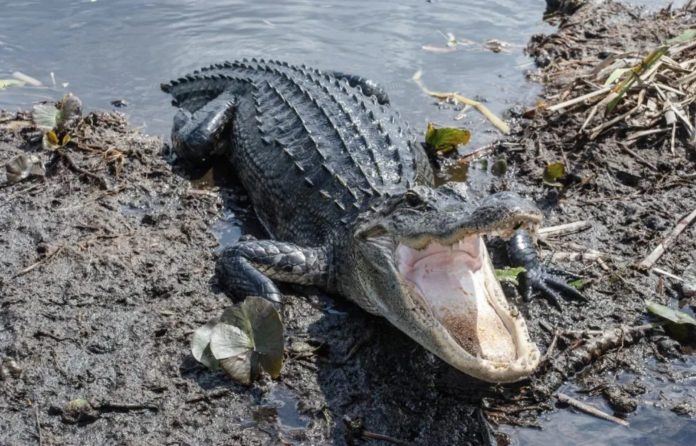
x,y
445,139
24,166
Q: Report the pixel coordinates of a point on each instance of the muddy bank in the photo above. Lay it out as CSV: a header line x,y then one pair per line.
x,y
103,282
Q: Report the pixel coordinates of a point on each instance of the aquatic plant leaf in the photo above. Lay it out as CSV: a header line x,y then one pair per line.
x,y
45,116
24,166
247,338
200,345
554,172
228,340
5,83
445,139
670,314
70,107
684,37
509,274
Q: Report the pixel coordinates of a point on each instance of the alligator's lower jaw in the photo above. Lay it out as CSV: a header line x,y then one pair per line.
x,y
479,333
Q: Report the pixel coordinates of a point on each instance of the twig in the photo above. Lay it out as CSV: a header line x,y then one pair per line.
x,y
73,166
642,133
38,423
496,121
650,260
589,409
662,272
39,262
382,437
552,347
567,228
579,99
639,159
479,152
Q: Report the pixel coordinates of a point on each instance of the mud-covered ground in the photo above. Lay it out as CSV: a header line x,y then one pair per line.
x,y
103,282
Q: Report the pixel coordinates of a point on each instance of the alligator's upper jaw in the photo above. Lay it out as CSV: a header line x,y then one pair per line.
x,y
476,331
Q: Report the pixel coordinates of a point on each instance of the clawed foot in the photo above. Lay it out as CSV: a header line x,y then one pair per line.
x,y
551,282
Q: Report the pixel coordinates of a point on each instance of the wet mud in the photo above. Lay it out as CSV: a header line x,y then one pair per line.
x,y
104,277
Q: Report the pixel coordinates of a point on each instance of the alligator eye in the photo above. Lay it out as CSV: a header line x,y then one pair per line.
x,y
413,199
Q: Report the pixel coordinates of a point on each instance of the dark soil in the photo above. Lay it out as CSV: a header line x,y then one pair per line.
x,y
123,272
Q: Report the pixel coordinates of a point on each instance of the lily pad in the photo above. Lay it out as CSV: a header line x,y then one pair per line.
x,y
445,139
200,345
246,339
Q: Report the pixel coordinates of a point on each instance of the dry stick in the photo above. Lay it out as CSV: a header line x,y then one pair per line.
x,y
40,262
590,409
496,121
650,260
38,423
642,133
71,163
662,272
639,159
579,99
600,128
382,437
479,152
567,228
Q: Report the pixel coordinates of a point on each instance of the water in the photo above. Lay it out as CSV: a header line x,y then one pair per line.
x,y
108,50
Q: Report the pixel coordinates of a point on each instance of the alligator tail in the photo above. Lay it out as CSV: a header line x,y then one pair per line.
x,y
194,90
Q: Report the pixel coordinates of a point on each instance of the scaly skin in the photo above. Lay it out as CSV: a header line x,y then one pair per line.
x,y
343,188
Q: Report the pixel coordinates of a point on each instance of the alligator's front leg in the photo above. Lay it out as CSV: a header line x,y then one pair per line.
x,y
550,281
247,268
199,135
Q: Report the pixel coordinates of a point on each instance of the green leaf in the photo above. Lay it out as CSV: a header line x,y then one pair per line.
x,y
445,139
578,284
200,345
684,37
636,72
5,83
615,75
554,172
509,274
670,314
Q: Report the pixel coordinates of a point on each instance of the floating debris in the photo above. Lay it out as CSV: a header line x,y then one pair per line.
x,y
497,46
26,79
5,83
118,103
24,166
244,340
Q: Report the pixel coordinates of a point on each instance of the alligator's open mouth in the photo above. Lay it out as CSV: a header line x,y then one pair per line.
x,y
457,282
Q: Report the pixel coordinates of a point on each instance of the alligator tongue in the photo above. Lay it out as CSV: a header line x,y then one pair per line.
x,y
454,283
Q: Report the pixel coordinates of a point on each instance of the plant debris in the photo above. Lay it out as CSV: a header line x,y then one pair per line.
x,y
24,166
445,140
245,339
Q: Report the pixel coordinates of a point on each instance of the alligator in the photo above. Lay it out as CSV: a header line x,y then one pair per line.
x,y
346,194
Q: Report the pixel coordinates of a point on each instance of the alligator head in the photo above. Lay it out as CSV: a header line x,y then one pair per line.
x,y
420,261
